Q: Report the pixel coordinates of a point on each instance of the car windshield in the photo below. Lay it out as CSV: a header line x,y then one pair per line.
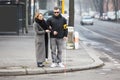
x,y
42,11
48,13
86,17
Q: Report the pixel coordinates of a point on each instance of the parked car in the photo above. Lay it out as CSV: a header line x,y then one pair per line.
x,y
43,11
86,20
48,14
97,16
111,15
104,17
118,14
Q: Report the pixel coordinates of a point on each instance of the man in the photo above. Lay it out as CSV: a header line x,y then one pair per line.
x,y
59,31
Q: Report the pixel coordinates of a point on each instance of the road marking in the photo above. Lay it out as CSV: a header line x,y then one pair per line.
x,y
116,63
102,73
118,67
107,69
101,35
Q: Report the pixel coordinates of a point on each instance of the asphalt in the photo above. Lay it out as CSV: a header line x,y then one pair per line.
x,y
17,57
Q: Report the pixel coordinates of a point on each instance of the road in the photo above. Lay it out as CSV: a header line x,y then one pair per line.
x,y
103,36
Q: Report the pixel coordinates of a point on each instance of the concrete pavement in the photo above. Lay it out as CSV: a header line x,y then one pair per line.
x,y
17,57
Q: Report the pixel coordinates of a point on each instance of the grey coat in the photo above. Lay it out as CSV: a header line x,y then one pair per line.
x,y
39,42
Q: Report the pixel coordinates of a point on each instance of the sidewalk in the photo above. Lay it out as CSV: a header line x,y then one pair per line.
x,y
17,57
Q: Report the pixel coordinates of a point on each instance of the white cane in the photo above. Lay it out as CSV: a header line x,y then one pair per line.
x,y
65,55
49,50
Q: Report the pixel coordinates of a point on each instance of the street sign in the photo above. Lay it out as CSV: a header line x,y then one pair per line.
x,y
70,29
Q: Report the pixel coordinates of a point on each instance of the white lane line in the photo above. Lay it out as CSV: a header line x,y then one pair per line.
x,y
101,35
116,63
118,67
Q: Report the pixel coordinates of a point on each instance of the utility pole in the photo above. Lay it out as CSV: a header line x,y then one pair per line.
x,y
71,13
70,42
26,26
34,1
29,13
63,6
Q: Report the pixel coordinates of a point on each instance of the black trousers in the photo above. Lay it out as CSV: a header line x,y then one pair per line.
x,y
46,45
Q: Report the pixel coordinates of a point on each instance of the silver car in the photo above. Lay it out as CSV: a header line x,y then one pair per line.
x,y
86,20
48,14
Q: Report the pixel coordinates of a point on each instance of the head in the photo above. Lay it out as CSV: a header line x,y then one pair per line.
x,y
56,11
39,16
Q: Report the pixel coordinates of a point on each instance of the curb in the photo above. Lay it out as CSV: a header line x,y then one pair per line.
x,y
36,71
91,53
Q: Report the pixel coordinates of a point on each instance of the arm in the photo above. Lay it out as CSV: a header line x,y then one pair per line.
x,y
65,28
47,29
37,30
49,25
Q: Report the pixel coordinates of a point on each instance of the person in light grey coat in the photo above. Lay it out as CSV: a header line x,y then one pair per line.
x,y
40,30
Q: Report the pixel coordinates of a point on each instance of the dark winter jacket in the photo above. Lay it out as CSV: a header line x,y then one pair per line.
x,y
58,24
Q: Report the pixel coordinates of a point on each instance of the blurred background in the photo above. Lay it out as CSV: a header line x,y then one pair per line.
x,y
17,16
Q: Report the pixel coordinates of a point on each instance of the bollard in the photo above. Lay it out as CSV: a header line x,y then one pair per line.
x,y
70,41
76,40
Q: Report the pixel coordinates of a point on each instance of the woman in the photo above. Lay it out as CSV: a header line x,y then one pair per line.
x,y
41,30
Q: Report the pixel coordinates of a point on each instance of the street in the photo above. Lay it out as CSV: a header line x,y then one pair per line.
x,y
103,36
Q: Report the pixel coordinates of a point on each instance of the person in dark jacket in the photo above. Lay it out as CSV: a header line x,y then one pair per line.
x,y
41,38
59,31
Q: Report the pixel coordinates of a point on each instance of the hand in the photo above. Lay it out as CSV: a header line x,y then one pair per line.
x,y
65,38
47,31
55,32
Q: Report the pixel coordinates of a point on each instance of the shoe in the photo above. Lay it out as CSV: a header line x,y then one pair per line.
x,y
46,61
61,65
40,64
53,65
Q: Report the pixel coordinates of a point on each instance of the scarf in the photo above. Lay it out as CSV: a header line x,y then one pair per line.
x,y
42,23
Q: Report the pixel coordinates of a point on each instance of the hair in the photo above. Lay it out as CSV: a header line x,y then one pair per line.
x,y
56,8
37,14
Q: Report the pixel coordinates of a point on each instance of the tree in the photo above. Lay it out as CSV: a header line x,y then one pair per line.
x,y
115,2
95,2
99,6
107,4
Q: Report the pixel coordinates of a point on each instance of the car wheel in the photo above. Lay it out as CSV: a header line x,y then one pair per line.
x,y
82,23
91,23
